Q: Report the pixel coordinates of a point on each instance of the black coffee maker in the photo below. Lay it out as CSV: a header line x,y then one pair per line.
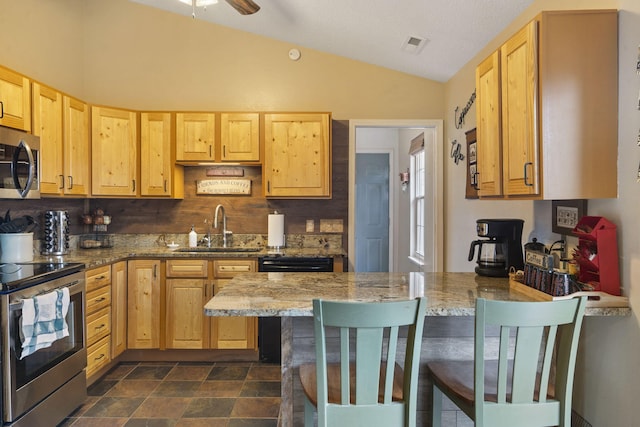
x,y
501,249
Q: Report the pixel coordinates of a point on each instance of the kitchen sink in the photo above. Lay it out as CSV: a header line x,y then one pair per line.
x,y
219,249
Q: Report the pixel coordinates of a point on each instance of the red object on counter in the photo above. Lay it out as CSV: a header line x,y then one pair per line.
x,y
597,254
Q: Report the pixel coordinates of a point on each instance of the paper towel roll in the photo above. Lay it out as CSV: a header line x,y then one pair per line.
x,y
275,238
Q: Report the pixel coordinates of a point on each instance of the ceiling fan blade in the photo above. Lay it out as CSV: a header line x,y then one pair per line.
x,y
244,7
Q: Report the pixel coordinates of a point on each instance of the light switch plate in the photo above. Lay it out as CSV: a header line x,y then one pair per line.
x,y
310,226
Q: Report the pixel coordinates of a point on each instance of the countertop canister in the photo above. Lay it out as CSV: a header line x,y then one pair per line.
x,y
16,247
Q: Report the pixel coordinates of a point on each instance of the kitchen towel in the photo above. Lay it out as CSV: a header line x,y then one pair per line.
x,y
43,320
275,238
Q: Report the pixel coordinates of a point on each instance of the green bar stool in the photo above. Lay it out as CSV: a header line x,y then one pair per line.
x,y
531,382
361,384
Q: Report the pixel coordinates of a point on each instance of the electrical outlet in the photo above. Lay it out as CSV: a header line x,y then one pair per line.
x,y
310,226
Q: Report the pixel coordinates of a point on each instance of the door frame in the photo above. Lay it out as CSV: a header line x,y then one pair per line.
x,y
434,260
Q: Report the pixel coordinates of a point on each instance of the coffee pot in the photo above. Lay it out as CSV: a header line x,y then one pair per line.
x,y
501,249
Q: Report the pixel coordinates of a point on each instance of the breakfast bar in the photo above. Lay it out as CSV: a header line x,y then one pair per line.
x,y
290,295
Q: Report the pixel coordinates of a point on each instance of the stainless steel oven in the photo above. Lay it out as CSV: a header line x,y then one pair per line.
x,y
19,165
44,387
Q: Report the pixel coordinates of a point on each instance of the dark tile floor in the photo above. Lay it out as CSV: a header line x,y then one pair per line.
x,y
183,395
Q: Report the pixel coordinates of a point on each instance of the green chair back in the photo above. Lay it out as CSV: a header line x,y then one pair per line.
x,y
370,331
543,339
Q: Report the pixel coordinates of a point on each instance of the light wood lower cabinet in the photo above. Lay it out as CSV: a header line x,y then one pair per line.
x,y
189,285
144,292
118,308
98,318
186,292
233,332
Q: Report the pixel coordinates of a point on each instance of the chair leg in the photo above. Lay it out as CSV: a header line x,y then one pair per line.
x,y
437,407
308,412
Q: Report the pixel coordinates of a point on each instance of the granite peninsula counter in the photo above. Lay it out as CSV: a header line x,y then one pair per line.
x,y
290,295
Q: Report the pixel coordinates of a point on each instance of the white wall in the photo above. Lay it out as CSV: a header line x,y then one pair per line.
x,y
608,371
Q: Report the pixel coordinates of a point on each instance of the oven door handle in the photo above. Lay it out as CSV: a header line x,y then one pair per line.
x,y
75,287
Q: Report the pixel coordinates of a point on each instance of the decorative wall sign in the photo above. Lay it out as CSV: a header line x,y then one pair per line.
x,y
224,186
225,171
456,151
472,165
459,121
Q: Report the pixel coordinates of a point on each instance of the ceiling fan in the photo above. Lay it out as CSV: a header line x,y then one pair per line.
x,y
244,7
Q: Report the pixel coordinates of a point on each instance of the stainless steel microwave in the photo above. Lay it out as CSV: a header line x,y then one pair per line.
x,y
19,165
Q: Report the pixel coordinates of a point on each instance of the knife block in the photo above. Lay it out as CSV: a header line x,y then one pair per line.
x,y
597,254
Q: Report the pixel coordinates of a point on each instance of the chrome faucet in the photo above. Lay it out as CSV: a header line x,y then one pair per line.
x,y
225,232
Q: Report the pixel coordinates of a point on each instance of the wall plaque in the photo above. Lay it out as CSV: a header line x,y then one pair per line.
x,y
224,186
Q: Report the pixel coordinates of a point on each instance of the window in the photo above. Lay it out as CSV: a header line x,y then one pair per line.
x,y
417,205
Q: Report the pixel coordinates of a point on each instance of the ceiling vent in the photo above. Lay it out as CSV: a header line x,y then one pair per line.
x,y
414,44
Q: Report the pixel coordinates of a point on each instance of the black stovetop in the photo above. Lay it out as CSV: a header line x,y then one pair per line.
x,y
15,276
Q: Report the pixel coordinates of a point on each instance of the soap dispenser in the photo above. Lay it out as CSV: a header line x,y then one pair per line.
x,y
193,237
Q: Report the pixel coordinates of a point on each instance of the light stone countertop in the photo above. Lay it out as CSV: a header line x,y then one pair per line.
x,y
96,257
291,294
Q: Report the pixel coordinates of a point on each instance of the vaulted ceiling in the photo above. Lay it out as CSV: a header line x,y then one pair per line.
x,y
427,38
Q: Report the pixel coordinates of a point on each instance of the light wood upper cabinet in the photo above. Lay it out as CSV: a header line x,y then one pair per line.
x,y
559,107
62,123
118,308
519,102
159,176
114,154
15,100
489,154
240,137
77,158
47,124
143,302
297,160
195,136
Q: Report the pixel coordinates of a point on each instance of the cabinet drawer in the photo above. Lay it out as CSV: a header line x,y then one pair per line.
x,y
98,356
98,299
187,268
98,277
98,325
229,268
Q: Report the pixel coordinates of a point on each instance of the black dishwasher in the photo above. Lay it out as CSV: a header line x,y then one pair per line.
x,y
269,327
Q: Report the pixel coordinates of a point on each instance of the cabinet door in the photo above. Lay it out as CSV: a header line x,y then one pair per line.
x,y
297,161
118,308
195,136
15,100
489,141
519,67
240,137
233,332
114,154
76,147
47,124
143,303
186,324
155,154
